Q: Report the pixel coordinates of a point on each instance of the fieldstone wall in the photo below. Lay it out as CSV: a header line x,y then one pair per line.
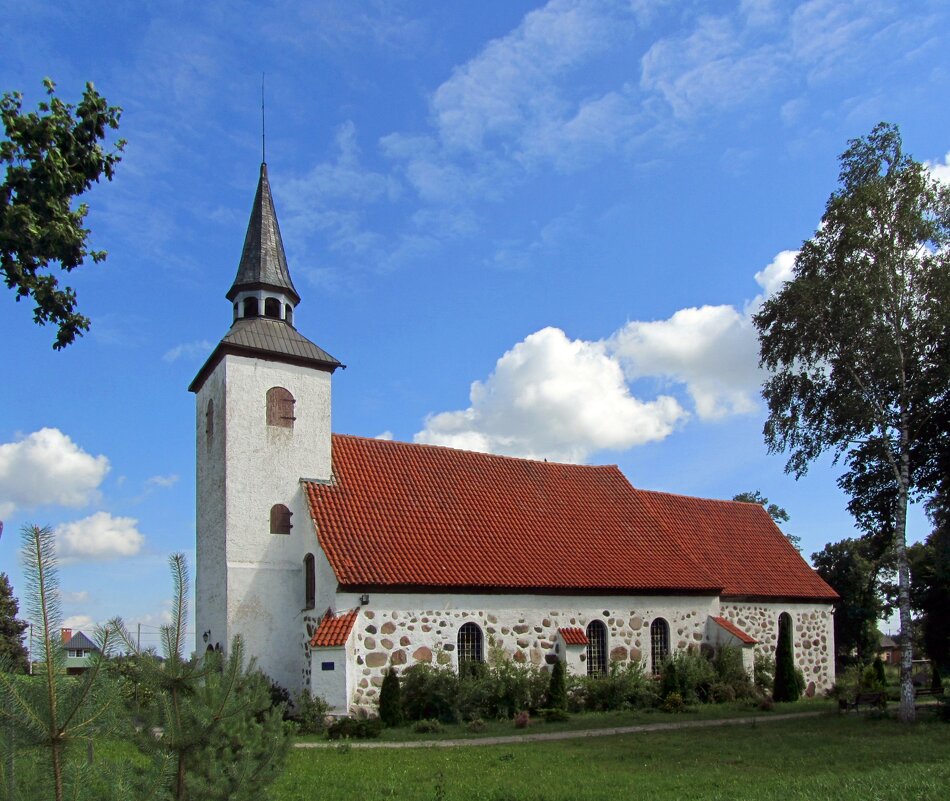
x,y
425,629
813,638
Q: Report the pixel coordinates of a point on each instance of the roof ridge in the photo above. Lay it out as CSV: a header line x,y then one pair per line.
x,y
484,454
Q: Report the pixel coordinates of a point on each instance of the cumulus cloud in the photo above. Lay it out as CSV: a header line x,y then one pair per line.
x,y
387,435
99,536
47,467
563,399
78,597
553,397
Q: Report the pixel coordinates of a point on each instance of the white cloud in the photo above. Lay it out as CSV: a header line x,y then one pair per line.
x,y
940,171
83,623
552,397
188,350
99,536
711,350
387,435
78,597
47,467
162,481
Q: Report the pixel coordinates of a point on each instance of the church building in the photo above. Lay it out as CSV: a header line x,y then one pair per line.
x,y
335,557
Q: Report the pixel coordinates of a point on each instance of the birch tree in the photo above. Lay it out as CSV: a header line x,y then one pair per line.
x,y
856,343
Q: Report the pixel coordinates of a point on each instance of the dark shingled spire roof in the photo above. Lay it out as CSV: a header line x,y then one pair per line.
x,y
263,263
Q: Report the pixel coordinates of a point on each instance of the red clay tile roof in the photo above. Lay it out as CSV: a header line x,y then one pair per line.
x,y
740,546
405,516
735,631
334,630
573,636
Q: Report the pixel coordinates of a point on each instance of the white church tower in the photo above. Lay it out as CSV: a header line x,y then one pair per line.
x,y
262,425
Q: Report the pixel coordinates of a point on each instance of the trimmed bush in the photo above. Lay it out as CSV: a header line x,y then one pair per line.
x,y
731,672
390,699
786,686
557,688
878,666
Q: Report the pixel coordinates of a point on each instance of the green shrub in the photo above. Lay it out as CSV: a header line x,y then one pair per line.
x,y
354,728
557,688
688,674
878,666
731,671
310,714
428,727
554,715
625,686
430,693
390,699
476,726
763,673
500,690
786,686
721,693
674,702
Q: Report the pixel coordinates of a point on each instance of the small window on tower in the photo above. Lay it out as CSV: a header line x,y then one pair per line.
x,y
280,519
272,308
289,313
310,581
250,307
209,421
280,408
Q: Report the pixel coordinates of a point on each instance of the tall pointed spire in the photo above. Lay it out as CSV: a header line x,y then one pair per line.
x,y
263,263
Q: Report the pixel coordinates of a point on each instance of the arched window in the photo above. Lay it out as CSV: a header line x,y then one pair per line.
x,y
596,648
250,307
280,519
289,313
469,644
235,311
280,408
272,308
310,581
659,643
209,421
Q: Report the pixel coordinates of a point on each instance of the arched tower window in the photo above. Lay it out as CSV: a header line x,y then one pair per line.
x,y
659,643
280,408
272,308
280,519
289,313
596,648
469,645
250,307
209,421
310,582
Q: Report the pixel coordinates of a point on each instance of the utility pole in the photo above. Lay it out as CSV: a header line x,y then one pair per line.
x,y
138,638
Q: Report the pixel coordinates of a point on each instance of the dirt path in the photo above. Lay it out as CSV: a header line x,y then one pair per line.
x,y
568,735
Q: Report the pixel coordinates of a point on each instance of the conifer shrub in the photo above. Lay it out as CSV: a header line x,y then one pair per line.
x,y
879,675
557,688
787,686
390,699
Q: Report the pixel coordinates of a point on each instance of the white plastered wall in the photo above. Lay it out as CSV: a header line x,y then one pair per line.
x,y
251,582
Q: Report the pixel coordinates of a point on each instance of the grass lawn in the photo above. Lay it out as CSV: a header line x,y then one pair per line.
x,y
858,757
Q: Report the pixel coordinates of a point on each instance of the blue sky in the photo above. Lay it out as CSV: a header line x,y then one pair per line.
x,y
530,228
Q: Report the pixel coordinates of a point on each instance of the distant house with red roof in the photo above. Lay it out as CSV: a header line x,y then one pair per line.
x,y
337,556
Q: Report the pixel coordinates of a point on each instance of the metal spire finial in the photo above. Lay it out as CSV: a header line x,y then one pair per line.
x,y
263,131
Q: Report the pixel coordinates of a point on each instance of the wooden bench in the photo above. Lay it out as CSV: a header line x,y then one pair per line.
x,y
923,693
876,699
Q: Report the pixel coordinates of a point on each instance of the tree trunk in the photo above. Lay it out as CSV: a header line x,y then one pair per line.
x,y
907,711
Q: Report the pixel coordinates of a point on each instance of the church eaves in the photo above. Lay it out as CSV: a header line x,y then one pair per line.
x,y
263,262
